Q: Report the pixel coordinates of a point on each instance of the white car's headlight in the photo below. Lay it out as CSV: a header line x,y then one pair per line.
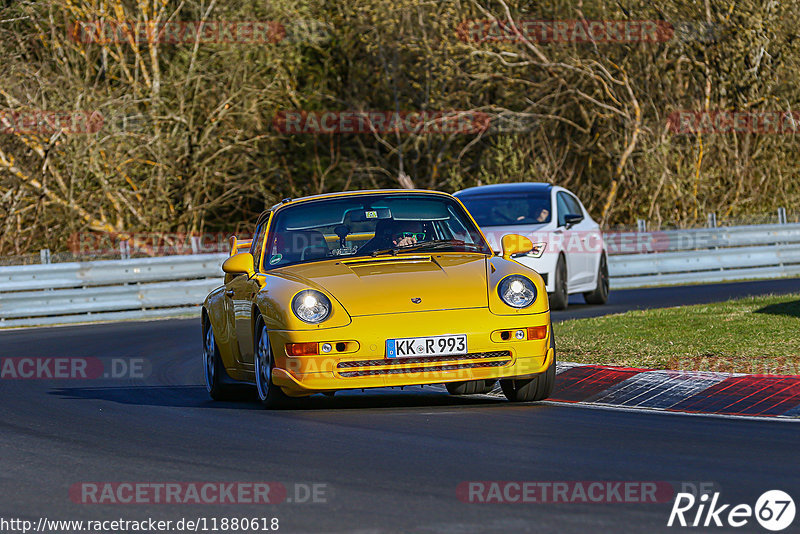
x,y
537,250
517,291
311,306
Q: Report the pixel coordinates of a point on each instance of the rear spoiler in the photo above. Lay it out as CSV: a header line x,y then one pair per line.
x,y
238,246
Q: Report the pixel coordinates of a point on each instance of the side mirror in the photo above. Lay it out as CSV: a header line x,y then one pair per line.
x,y
515,244
241,263
238,245
572,219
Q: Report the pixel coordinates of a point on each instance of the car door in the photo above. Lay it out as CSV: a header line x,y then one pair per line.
x,y
242,292
568,238
584,241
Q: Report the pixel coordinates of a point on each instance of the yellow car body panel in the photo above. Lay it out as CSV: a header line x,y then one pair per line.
x,y
374,299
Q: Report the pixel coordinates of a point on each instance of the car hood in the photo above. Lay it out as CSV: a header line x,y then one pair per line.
x,y
387,284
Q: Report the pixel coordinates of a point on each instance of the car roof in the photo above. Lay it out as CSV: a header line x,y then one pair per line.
x,y
519,187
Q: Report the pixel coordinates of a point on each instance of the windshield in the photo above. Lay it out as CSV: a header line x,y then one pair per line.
x,y
508,210
370,225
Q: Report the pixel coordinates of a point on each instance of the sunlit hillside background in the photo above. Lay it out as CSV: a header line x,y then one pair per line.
x,y
188,143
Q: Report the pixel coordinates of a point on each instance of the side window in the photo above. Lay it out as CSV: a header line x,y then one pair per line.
x,y
258,244
574,205
562,207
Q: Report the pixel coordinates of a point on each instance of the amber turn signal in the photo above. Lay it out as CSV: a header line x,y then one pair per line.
x,y
537,332
302,349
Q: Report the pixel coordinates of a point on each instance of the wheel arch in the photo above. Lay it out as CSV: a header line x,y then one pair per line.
x,y
206,322
255,318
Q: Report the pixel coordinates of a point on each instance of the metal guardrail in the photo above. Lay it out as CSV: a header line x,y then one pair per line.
x,y
106,290
704,255
65,293
702,238
98,273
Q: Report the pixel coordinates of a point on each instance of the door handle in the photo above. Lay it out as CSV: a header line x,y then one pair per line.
x,y
229,293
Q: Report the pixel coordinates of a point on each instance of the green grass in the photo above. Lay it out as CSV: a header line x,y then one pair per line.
x,y
759,335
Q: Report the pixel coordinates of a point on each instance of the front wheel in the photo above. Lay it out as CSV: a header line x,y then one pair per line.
x,y
213,369
559,298
270,395
600,294
537,388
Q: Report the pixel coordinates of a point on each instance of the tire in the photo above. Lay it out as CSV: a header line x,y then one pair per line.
x,y
470,387
270,395
213,370
559,299
600,294
536,388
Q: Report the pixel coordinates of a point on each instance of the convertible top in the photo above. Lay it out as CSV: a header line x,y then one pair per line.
x,y
349,193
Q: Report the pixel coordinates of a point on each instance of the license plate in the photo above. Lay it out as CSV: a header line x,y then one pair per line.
x,y
411,347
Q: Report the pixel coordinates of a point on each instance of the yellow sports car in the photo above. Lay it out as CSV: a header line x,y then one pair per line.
x,y
376,289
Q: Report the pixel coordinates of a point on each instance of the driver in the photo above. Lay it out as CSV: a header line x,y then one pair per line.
x,y
408,233
391,233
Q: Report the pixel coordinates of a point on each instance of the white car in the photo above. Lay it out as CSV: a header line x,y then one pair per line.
x,y
568,251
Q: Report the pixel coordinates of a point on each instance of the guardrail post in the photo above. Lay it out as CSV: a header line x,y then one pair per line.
x,y
712,220
642,225
44,256
781,215
195,241
124,250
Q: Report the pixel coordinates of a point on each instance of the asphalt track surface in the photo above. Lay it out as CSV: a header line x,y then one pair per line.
x,y
391,460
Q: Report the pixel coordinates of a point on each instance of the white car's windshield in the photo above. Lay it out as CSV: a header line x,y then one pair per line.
x,y
509,209
364,225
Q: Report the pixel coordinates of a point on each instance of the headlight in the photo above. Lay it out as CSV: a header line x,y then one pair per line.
x,y
537,250
517,291
311,306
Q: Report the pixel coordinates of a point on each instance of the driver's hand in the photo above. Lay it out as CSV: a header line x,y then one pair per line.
x,y
405,241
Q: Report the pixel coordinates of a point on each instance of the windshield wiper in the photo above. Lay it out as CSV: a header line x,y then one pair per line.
x,y
393,251
425,245
439,243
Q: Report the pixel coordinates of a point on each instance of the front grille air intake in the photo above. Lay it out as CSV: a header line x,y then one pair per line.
x,y
350,369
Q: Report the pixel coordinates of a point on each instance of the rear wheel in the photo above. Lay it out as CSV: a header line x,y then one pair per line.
x,y
213,368
600,294
470,387
559,299
536,388
270,395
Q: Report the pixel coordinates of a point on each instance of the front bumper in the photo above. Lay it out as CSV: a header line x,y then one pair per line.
x,y
363,363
